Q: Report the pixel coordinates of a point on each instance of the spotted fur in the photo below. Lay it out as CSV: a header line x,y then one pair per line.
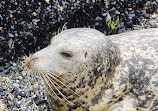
x,y
139,54
106,73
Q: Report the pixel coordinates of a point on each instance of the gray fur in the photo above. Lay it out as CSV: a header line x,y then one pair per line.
x,y
109,73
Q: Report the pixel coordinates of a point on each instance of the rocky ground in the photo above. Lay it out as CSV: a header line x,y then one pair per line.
x,y
21,90
27,26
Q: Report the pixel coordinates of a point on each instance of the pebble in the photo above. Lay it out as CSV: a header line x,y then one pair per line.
x,y
1,28
129,9
147,15
23,74
2,106
19,97
34,14
7,79
10,35
15,84
154,15
35,86
17,81
20,77
47,1
145,8
22,94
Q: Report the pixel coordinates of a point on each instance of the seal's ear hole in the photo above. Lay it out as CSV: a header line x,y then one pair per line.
x,y
85,54
66,54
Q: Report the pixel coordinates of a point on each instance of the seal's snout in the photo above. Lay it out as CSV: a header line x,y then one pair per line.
x,y
29,61
32,58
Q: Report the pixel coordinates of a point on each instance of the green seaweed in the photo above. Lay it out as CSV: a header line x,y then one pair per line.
x,y
113,24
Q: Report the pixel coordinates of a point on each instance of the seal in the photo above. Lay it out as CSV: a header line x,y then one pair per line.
x,y
84,70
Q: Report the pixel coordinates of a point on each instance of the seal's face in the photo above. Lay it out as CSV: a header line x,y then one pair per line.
x,y
73,63
67,55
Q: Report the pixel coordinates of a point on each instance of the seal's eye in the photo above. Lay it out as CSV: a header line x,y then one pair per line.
x,y
66,54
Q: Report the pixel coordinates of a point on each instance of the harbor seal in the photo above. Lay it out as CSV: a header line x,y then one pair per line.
x,y
84,70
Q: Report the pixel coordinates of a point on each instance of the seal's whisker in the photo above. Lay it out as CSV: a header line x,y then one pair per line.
x,y
55,83
60,77
36,73
64,80
59,30
63,84
46,80
58,89
63,26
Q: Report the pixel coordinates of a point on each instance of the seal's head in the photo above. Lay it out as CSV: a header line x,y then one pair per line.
x,y
76,67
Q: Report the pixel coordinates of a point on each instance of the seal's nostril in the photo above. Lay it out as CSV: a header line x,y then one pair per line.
x,y
29,61
32,58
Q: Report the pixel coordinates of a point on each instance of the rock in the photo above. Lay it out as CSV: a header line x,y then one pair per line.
x,y
3,107
23,74
35,86
7,79
10,35
15,84
20,77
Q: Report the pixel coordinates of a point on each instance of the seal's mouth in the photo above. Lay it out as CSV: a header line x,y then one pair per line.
x,y
60,87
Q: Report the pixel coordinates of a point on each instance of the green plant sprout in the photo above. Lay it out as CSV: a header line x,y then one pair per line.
x,y
113,24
